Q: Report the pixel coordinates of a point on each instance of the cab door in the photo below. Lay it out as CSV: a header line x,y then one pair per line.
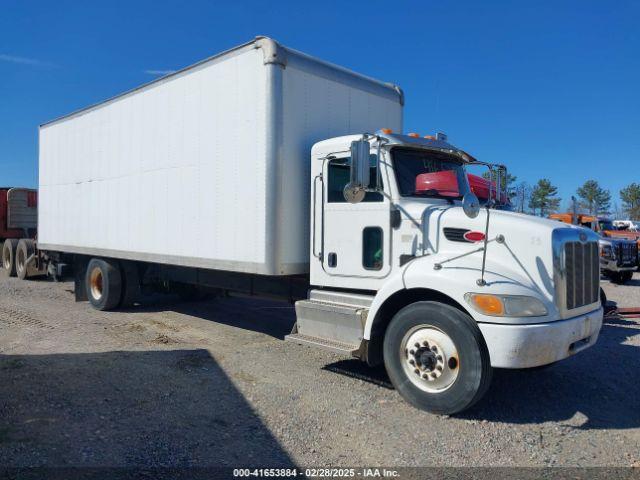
x,y
356,237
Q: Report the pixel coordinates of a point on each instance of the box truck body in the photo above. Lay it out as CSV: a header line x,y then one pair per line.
x,y
206,167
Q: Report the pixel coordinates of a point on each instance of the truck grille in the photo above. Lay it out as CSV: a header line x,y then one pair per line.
x,y
582,274
627,254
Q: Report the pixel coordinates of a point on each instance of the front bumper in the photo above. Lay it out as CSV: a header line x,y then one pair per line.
x,y
612,266
526,346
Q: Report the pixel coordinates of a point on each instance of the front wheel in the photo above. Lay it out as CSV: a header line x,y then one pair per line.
x,y
436,358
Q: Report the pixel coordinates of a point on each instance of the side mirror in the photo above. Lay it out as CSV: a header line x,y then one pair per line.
x,y
470,205
355,190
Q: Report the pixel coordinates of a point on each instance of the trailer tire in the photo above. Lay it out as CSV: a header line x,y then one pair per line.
x,y
9,256
26,248
436,357
103,282
131,284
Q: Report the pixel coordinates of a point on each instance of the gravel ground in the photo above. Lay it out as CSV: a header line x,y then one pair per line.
x,y
213,383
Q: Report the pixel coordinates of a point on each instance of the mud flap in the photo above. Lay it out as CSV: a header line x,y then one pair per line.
x,y
79,288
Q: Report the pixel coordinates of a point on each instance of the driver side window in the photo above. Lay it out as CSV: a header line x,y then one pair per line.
x,y
338,173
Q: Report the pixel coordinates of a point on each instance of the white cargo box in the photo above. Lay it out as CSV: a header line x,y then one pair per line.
x,y
207,167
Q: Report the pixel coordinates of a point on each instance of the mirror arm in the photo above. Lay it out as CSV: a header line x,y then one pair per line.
x,y
379,139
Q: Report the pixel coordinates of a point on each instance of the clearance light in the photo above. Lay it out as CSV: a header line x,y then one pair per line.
x,y
429,137
474,237
386,130
506,305
414,135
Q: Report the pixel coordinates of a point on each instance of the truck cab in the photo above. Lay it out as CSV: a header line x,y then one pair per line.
x,y
407,269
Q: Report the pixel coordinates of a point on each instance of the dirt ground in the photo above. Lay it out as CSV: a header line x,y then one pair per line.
x,y
213,383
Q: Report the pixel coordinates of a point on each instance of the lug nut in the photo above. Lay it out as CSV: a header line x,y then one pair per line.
x,y
439,358
439,368
425,343
417,372
434,349
433,374
425,376
417,345
412,352
412,362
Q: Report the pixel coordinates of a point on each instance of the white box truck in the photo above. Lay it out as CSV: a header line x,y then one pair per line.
x,y
266,171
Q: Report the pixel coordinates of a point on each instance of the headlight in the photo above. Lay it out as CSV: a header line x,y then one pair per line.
x,y
506,305
607,252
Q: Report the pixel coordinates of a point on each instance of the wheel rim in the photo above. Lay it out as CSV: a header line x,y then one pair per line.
x,y
95,283
6,262
429,358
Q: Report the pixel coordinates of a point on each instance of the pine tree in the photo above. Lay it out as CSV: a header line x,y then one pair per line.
x,y
595,199
543,198
630,196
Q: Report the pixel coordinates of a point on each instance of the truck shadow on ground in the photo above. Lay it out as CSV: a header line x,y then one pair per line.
x,y
269,317
172,408
596,389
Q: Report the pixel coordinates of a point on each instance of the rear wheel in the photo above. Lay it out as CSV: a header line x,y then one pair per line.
x,y
9,256
26,248
436,358
103,282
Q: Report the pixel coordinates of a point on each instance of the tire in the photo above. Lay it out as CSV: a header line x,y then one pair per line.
x,y
461,354
26,248
103,282
603,299
626,277
131,284
9,256
615,277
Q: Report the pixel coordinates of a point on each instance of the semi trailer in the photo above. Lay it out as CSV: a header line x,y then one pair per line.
x,y
265,171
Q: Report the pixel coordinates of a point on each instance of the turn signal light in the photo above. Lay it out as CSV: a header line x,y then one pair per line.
x,y
386,130
487,304
414,135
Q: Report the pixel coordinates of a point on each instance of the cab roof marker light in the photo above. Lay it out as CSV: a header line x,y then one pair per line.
x,y
386,130
414,135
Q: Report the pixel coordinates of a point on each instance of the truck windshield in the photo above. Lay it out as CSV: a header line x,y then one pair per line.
x,y
428,173
606,225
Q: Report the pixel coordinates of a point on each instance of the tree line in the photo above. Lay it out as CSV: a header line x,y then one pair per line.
x,y
542,198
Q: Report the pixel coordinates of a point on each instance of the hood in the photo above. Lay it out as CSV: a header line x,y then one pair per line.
x,y
525,256
622,234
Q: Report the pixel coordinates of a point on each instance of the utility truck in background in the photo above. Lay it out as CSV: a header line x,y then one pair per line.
x,y
619,255
266,171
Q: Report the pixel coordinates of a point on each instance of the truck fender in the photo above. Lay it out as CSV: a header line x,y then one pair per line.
x,y
419,281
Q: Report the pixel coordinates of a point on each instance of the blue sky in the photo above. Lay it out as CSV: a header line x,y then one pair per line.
x,y
551,88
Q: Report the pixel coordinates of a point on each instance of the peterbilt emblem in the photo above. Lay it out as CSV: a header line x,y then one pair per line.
x,y
583,237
